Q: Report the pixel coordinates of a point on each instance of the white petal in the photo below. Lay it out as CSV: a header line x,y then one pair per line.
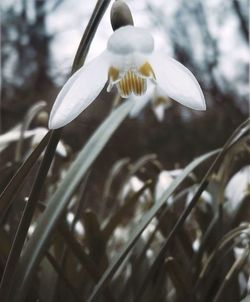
x,y
79,91
163,182
159,112
129,39
236,189
61,150
177,81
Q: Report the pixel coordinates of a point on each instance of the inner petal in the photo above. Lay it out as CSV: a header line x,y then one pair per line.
x,y
131,80
147,71
132,83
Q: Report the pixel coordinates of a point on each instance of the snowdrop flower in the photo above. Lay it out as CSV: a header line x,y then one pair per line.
x,y
135,185
128,63
236,189
79,228
165,179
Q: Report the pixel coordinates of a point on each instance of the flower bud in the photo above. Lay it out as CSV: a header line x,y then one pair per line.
x,y
120,15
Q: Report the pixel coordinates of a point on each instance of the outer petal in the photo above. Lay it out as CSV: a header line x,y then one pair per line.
x,y
177,81
79,91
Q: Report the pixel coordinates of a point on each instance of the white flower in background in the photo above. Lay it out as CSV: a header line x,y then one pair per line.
x,y
134,185
128,63
78,228
165,179
236,189
159,105
205,198
159,102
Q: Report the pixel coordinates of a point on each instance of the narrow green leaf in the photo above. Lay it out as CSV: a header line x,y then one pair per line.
x,y
179,278
95,240
38,243
60,273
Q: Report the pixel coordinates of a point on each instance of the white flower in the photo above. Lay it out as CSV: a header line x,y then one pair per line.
x,y
237,189
165,179
128,63
78,228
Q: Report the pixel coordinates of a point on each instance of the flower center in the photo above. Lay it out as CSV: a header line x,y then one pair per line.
x,y
132,81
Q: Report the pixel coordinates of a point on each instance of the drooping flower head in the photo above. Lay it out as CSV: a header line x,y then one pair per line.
x,y
128,63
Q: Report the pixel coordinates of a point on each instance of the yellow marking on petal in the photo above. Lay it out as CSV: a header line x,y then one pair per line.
x,y
127,83
135,84
147,71
138,86
113,73
123,88
131,82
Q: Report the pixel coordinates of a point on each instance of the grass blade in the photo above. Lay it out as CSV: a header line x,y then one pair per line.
x,y
34,110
